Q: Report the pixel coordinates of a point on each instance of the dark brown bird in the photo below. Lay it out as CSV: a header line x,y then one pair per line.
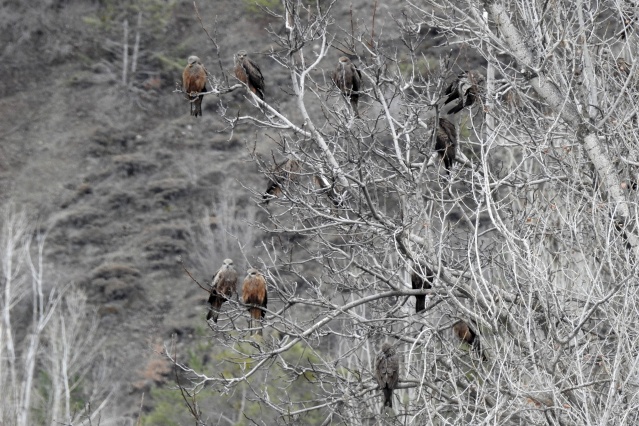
x,y
419,283
387,372
446,143
348,80
254,293
467,335
466,88
249,73
193,82
222,288
282,174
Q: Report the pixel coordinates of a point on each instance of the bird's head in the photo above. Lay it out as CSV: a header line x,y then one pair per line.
x,y
388,348
241,55
228,262
252,273
193,60
344,60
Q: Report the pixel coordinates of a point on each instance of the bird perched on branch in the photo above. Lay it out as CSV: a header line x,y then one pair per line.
x,y
287,171
446,143
194,82
254,293
291,171
222,288
348,80
419,283
467,335
387,372
466,88
249,73
327,186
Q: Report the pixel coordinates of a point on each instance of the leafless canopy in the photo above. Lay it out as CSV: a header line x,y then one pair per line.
x,y
532,239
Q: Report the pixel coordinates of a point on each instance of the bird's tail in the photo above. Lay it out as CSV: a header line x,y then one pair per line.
x,y
215,303
454,95
456,108
354,99
196,105
213,313
255,320
477,347
388,397
420,303
448,164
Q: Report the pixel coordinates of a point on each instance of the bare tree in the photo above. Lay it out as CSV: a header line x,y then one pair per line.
x,y
47,330
532,237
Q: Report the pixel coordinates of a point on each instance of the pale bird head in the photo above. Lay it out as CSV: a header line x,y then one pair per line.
x,y
193,60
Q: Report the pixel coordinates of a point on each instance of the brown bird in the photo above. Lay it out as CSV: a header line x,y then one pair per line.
x,y
466,88
254,293
446,143
419,283
287,171
387,371
222,288
467,335
193,82
348,79
249,73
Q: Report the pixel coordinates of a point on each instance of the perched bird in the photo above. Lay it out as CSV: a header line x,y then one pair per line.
x,y
287,171
194,82
254,293
348,79
387,371
467,335
419,283
291,171
249,73
623,67
327,186
222,288
446,142
465,88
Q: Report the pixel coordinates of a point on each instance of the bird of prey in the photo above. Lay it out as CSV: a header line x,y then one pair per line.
x,y
194,82
623,67
323,184
222,288
387,371
465,88
446,143
348,80
287,171
467,335
419,283
254,293
249,73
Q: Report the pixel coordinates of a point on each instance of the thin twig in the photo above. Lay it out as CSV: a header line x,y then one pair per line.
x,y
217,47
192,407
191,276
